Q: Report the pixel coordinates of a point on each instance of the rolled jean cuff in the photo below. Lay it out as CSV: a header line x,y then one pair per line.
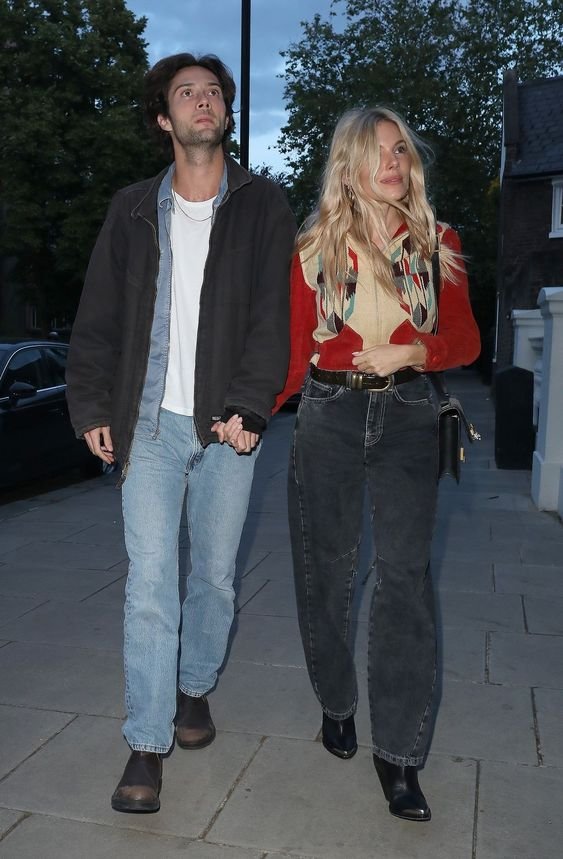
x,y
191,694
339,717
398,760
143,747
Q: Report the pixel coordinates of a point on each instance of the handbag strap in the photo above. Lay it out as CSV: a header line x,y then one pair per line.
x,y
437,379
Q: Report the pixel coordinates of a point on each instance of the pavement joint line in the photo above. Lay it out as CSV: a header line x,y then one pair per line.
x,y
19,617
232,789
24,816
239,609
524,615
494,577
476,810
487,657
75,713
105,587
39,748
257,564
536,728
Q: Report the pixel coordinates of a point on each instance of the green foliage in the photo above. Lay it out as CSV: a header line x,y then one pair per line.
x,y
71,73
440,63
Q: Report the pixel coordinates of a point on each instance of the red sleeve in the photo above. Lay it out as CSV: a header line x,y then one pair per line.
x,y
303,321
458,341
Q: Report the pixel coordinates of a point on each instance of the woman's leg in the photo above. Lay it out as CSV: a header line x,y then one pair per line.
x,y
401,462
326,486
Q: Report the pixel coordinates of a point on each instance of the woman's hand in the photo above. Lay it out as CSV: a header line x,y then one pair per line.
x,y
390,357
241,440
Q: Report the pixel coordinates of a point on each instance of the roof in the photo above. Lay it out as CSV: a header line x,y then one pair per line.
x,y
540,128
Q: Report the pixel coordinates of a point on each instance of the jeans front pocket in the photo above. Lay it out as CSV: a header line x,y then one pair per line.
x,y
415,392
320,392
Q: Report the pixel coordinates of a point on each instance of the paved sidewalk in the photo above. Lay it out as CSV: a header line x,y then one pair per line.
x,y
266,787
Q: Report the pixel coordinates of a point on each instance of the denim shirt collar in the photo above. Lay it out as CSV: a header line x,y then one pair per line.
x,y
165,199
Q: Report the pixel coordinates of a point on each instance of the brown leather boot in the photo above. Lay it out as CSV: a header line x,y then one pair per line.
x,y
140,784
194,725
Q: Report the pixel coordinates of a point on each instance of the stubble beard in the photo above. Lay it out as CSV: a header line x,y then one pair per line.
x,y
206,139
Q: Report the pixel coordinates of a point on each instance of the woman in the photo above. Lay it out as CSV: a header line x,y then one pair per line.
x,y
364,321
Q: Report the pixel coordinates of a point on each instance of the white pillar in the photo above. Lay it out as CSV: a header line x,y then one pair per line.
x,y
548,456
526,324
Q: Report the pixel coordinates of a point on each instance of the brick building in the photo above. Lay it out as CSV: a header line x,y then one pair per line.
x,y
531,202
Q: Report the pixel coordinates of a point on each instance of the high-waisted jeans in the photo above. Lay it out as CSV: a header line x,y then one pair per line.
x,y
388,440
169,645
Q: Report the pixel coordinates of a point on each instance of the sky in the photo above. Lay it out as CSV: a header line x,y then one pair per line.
x,y
213,26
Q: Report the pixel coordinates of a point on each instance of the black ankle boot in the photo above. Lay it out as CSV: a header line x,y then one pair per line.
x,y
402,790
339,736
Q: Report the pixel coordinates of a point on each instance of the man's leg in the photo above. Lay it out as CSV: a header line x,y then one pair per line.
x,y
153,495
219,485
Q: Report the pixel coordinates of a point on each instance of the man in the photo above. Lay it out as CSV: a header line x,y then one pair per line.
x,y
179,347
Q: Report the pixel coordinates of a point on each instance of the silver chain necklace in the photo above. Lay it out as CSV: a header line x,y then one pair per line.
x,y
187,214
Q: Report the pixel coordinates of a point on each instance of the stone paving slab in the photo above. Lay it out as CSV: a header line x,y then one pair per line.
x,y
527,660
110,534
482,611
74,775
275,598
59,839
80,625
532,579
545,530
267,641
15,533
462,653
14,607
465,576
549,708
467,549
549,553
519,812
266,700
544,616
485,722
51,583
72,679
27,730
64,555
327,808
8,819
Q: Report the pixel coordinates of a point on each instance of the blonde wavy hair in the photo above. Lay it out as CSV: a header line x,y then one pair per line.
x,y
345,213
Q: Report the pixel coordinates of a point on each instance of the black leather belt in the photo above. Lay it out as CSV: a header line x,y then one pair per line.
x,y
357,381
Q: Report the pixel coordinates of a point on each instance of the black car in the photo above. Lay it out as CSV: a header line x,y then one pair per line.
x,y
36,436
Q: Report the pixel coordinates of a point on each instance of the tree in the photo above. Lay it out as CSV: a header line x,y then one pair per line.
x,y
440,64
71,73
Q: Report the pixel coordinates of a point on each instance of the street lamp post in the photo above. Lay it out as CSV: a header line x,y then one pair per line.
x,y
244,83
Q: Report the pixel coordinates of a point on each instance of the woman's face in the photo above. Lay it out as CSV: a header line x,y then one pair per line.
x,y
393,174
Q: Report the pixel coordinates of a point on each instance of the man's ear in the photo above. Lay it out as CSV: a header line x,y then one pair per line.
x,y
164,122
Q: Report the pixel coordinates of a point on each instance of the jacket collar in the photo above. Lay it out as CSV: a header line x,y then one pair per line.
x,y
158,188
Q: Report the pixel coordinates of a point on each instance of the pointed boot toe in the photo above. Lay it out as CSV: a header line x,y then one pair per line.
x,y
339,737
402,790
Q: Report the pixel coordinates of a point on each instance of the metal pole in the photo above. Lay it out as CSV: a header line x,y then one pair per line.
x,y
244,83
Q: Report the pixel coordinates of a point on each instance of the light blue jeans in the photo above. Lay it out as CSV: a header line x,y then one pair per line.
x,y
168,644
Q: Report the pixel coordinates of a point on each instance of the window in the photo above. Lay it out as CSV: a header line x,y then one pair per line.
x,y
56,362
24,366
557,210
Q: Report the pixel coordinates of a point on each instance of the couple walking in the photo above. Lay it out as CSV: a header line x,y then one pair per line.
x,y
201,313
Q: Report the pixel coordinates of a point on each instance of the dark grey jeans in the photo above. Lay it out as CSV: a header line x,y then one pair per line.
x,y
343,440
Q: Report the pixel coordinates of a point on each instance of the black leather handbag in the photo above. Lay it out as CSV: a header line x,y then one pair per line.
x,y
451,417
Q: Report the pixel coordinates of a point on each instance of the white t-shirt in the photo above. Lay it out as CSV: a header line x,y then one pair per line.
x,y
189,233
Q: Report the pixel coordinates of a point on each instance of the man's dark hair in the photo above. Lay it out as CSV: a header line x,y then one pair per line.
x,y
157,84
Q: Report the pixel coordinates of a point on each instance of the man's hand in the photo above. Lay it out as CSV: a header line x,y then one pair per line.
x,y
232,432
100,443
388,358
